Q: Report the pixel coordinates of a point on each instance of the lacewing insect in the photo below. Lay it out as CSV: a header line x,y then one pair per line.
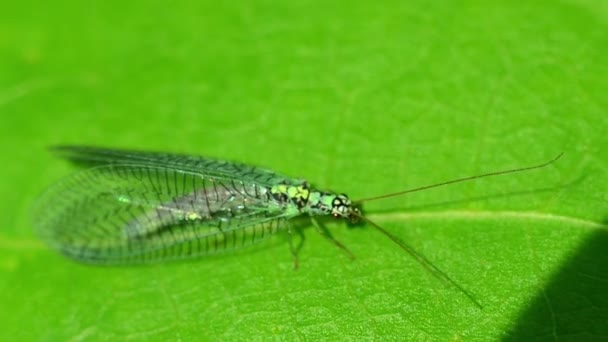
x,y
138,207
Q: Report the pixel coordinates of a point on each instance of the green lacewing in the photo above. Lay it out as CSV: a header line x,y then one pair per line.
x,y
138,207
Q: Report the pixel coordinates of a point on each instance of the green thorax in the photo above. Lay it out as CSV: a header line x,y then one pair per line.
x,y
314,202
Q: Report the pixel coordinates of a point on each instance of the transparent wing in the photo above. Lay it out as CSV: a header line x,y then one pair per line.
x,y
213,168
139,213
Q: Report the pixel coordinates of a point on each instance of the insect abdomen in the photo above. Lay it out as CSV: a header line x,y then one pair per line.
x,y
119,214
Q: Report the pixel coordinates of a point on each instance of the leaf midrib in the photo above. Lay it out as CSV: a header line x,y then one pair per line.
x,y
34,244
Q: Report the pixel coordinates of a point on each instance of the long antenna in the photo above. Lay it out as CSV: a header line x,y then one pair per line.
x,y
496,173
422,260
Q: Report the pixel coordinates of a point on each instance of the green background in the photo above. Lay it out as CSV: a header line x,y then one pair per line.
x,y
360,97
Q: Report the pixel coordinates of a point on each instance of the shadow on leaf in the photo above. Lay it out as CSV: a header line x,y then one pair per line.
x,y
574,306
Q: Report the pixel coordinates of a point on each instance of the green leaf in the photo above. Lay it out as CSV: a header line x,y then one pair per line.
x,y
359,97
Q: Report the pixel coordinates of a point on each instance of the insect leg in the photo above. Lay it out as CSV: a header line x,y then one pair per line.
x,y
295,249
327,235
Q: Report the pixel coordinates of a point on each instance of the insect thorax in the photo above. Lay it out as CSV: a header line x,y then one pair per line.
x,y
313,202
297,195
